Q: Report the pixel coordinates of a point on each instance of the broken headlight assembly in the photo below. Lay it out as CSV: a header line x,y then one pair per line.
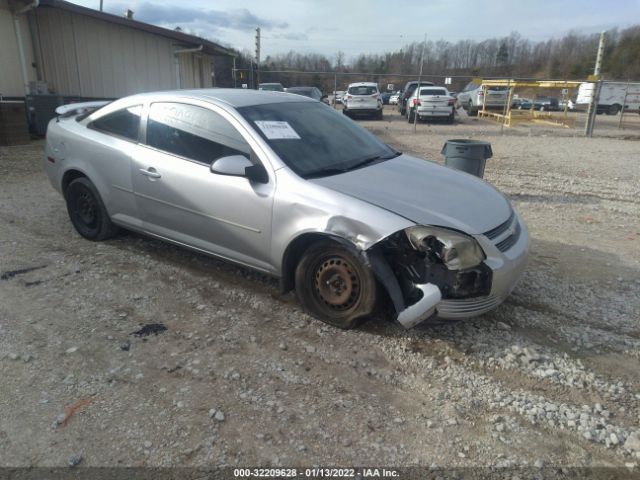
x,y
455,250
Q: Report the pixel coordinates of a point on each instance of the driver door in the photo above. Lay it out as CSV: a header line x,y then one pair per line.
x,y
180,199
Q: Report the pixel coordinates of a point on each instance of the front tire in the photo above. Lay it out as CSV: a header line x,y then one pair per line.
x,y
87,212
334,286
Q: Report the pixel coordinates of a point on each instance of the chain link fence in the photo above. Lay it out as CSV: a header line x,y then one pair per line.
x,y
607,120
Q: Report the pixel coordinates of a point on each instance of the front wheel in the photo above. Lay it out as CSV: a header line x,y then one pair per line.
x,y
334,286
87,212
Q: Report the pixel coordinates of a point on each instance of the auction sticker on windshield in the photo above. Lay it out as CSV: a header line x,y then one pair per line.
x,y
277,130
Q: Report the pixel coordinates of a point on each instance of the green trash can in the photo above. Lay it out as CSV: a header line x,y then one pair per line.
x,y
467,155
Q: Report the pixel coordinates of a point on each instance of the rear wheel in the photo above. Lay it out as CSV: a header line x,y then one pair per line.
x,y
411,117
334,286
450,118
614,109
87,212
472,111
379,114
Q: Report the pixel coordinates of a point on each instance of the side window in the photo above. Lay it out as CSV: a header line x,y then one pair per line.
x,y
121,123
193,132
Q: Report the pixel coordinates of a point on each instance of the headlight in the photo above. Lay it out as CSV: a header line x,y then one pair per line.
x,y
456,250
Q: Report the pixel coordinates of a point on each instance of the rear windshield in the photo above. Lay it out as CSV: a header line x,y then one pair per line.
x,y
432,91
301,91
273,87
363,90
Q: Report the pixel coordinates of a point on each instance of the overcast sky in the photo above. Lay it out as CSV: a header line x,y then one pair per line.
x,y
373,26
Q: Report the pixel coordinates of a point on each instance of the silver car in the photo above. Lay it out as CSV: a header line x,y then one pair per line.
x,y
285,185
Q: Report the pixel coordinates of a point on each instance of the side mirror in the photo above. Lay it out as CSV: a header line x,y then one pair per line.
x,y
239,166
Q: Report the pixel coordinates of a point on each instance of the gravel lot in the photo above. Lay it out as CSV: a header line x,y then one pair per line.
x,y
242,377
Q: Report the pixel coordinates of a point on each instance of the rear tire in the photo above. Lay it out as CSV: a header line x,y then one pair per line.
x,y
472,111
87,212
379,115
451,118
334,286
411,117
614,109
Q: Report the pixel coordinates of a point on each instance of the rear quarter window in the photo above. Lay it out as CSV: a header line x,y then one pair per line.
x,y
123,123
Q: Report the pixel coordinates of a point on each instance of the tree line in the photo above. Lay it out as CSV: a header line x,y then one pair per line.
x,y
571,57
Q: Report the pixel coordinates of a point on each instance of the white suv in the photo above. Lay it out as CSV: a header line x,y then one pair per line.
x,y
362,98
471,98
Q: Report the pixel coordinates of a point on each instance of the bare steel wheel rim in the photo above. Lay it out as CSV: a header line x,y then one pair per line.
x,y
86,209
337,284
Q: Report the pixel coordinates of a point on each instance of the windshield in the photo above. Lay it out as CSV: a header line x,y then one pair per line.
x,y
363,90
313,139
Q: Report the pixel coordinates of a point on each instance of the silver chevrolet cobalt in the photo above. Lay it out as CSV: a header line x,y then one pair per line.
x,y
285,185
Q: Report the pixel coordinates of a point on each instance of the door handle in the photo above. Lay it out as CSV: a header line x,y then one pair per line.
x,y
150,172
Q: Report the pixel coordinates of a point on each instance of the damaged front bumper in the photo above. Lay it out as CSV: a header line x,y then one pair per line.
x,y
423,308
452,295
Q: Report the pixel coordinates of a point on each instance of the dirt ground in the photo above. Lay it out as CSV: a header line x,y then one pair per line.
x,y
242,377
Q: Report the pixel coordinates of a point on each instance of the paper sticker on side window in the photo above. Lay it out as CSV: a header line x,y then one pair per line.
x,y
277,130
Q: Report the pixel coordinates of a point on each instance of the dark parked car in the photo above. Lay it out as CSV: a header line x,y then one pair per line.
x,y
311,92
407,91
549,104
546,103
385,97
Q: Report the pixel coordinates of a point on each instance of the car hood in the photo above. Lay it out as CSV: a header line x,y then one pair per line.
x,y
425,193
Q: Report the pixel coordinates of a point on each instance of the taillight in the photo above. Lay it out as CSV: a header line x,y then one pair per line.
x,y
416,102
451,102
51,159
348,97
480,93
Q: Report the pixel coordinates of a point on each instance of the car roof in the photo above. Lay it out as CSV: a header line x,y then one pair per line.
x,y
234,97
363,84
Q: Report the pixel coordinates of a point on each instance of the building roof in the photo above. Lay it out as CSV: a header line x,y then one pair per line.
x,y
208,47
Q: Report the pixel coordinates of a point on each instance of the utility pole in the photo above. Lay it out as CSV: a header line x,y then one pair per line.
x,y
234,73
415,115
101,5
597,85
257,58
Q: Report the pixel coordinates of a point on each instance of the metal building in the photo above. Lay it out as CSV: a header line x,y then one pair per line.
x,y
53,46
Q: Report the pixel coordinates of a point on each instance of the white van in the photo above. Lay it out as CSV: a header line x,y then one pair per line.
x,y
612,97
